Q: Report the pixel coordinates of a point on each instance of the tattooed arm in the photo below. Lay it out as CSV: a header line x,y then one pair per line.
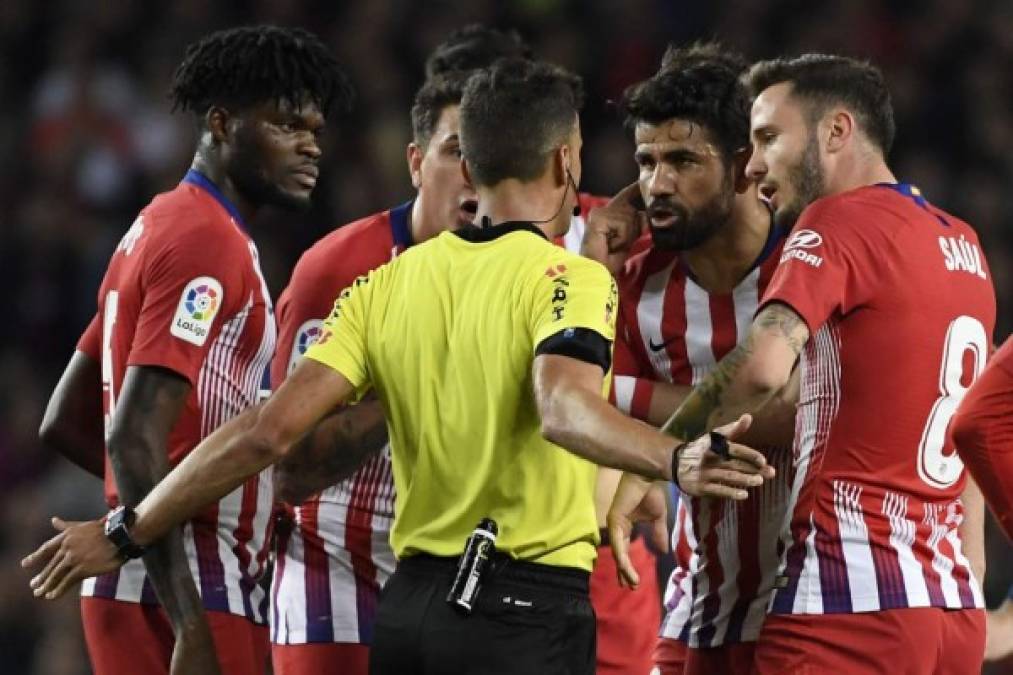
x,y
748,377
332,451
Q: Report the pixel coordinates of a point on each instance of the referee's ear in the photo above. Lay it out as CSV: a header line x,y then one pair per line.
x,y
466,173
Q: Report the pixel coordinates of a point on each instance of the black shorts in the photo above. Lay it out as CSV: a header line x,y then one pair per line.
x,y
528,618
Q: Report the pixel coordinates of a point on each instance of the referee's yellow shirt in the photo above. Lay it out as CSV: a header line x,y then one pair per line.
x,y
446,335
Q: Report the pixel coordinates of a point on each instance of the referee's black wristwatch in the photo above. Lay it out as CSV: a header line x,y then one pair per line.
x,y
117,531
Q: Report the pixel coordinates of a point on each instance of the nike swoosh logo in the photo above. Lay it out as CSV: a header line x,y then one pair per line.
x,y
658,348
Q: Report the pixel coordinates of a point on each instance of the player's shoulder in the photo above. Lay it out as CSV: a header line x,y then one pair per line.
x,y
187,214
645,263
351,250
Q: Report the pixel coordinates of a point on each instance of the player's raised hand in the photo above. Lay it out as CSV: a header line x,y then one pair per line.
x,y
612,229
81,550
637,500
703,472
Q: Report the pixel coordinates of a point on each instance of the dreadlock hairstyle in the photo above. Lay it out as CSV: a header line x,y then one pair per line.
x,y
476,46
245,66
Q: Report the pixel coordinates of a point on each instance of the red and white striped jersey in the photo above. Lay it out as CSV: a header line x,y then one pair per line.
x,y
901,309
672,330
332,564
184,291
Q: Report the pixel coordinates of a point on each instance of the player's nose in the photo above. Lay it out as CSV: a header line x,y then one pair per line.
x,y
756,167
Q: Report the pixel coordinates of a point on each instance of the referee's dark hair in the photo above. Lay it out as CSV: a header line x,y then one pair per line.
x,y
475,46
241,67
436,94
514,115
823,80
702,84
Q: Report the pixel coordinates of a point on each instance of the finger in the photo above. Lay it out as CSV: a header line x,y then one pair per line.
x,y
61,524
619,534
629,195
50,581
41,576
43,553
740,466
69,580
736,428
722,491
733,478
745,453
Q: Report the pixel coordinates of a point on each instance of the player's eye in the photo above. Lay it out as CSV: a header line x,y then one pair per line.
x,y
287,127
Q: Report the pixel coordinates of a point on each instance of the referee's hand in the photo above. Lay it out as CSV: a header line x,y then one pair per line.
x,y
637,500
702,472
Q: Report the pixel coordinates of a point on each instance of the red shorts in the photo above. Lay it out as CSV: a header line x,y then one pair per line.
x,y
920,641
126,637
730,659
669,657
329,658
628,620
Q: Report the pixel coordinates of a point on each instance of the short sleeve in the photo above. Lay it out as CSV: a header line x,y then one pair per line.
x,y
573,293
190,287
342,342
301,311
820,272
90,342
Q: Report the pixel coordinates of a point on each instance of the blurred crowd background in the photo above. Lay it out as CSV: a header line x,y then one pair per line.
x,y
86,138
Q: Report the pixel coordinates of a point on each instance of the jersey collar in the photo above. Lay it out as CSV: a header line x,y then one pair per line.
x,y
490,232
194,177
399,226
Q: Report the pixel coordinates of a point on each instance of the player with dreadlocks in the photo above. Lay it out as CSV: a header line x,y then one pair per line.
x,y
180,343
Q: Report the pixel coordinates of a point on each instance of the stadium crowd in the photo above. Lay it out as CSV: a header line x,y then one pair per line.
x,y
88,137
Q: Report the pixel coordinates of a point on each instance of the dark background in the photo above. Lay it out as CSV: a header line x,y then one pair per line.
x,y
86,139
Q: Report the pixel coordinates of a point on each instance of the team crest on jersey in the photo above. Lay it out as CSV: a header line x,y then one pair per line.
x,y
307,335
797,248
198,305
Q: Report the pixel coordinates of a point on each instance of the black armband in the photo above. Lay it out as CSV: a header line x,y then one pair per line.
x,y
582,344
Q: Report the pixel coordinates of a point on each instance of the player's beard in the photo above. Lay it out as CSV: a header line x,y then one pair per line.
x,y
252,181
807,178
694,228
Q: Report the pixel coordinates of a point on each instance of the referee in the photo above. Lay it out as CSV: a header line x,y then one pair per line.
x,y
489,349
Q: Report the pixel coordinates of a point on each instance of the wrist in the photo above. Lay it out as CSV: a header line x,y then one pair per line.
x,y
676,455
117,530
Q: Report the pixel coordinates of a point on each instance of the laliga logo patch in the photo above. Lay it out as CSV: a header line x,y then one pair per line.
x,y
198,305
797,245
307,335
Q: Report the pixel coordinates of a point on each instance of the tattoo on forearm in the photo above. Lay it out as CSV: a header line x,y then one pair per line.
x,y
693,417
786,322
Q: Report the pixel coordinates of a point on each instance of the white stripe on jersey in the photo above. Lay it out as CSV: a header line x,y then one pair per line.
x,y
650,309
854,536
623,386
746,297
953,536
940,563
728,555
699,331
574,237
902,538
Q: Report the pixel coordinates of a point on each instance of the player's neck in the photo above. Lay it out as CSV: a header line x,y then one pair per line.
x,y
215,172
512,200
721,262
858,171
421,227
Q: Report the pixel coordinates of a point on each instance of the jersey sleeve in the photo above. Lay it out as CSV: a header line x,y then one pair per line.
x,y
573,293
191,286
982,432
90,342
302,309
342,344
824,266
631,391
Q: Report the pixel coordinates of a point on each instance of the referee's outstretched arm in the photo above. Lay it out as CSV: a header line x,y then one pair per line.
x,y
574,415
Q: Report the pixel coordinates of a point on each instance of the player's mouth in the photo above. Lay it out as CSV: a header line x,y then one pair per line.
x,y
307,176
466,211
768,193
663,216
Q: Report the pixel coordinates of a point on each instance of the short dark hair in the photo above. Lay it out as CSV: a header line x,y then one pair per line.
x,y
476,46
513,115
437,93
824,80
700,83
245,66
